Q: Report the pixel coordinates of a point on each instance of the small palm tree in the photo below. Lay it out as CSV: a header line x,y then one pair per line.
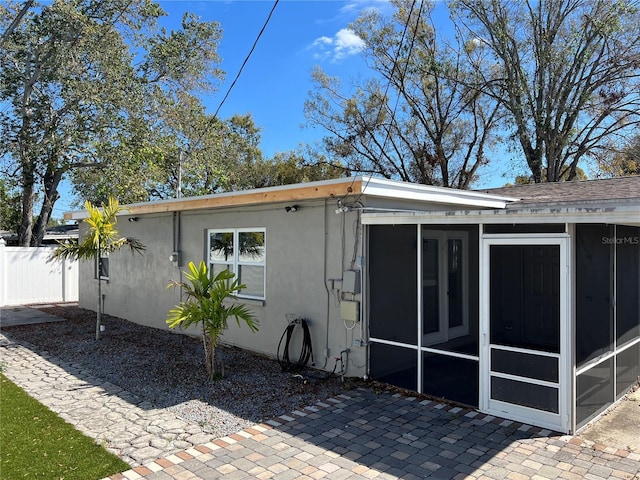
x,y
205,306
102,238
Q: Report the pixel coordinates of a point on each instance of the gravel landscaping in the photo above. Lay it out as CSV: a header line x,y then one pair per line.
x,y
166,369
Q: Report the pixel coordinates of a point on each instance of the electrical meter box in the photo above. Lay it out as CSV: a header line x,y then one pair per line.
x,y
351,281
350,310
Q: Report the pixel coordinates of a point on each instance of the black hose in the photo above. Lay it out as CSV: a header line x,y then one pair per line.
x,y
306,351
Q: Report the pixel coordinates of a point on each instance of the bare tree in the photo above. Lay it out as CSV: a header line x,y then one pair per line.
x,y
418,118
567,72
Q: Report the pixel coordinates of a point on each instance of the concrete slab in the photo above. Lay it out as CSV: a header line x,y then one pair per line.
x,y
14,316
619,426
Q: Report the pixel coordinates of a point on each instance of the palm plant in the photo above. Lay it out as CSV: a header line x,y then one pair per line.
x,y
207,305
101,239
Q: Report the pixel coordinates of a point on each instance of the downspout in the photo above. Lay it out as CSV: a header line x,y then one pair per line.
x,y
364,297
176,246
326,286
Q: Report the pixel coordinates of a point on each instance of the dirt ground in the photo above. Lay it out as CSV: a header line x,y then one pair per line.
x,y
620,427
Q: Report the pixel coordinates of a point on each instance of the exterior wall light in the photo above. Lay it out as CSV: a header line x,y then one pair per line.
x,y
291,208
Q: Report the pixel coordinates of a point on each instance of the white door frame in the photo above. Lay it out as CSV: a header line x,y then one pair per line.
x,y
562,420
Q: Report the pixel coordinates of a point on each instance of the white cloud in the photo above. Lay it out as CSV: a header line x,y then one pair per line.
x,y
356,6
343,44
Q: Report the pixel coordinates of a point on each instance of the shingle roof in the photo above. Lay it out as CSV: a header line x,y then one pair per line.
x,y
603,190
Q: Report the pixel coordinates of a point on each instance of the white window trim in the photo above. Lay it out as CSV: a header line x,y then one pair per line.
x,y
234,262
445,333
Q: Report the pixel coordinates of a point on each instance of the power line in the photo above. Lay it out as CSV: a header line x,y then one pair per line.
x,y
213,118
247,57
393,69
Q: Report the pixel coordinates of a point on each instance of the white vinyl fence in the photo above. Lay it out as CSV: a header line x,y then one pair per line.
x,y
28,276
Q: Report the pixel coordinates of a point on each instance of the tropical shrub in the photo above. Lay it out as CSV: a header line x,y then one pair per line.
x,y
210,302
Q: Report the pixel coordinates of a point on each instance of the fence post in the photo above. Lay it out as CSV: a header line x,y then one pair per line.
x,y
3,270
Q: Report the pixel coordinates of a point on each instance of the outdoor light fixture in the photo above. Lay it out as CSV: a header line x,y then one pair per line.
x,y
133,219
291,208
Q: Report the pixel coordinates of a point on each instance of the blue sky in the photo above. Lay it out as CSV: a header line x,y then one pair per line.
x,y
277,78
275,82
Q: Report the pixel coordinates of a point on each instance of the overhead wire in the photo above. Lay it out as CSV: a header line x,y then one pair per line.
x,y
393,69
253,47
214,117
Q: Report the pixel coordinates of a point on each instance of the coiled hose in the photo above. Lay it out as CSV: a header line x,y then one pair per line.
x,y
306,352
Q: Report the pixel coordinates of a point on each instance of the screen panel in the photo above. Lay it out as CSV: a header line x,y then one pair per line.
x,y
393,267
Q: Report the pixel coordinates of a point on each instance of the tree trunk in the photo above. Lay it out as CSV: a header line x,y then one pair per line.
x,y
27,206
209,355
51,181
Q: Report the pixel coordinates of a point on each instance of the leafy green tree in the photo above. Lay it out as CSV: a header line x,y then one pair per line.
x,y
287,168
203,154
185,153
101,239
9,208
207,305
566,71
623,161
416,118
75,74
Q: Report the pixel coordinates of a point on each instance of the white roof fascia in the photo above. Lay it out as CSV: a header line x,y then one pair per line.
x,y
377,187
623,215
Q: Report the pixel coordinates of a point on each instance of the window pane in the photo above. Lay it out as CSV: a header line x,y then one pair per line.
x,y
102,268
451,378
455,292
216,268
252,247
253,277
430,286
221,247
394,365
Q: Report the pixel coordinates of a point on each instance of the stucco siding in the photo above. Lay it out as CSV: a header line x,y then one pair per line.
x,y
306,256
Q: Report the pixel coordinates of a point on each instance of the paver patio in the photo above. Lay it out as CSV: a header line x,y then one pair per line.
x,y
359,434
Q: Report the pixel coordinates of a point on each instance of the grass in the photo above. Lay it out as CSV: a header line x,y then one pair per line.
x,y
36,443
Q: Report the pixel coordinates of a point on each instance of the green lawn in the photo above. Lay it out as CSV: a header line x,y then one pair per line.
x,y
36,443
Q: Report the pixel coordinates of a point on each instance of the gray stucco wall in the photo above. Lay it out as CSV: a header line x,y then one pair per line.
x,y
305,250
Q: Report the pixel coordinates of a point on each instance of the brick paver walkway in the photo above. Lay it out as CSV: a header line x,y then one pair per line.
x,y
367,435
360,434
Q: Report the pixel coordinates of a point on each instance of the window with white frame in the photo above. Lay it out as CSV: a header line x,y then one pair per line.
x,y
242,251
102,266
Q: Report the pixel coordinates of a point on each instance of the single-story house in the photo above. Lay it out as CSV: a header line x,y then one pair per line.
x,y
522,301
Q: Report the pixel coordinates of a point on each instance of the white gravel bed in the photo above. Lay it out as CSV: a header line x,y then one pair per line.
x,y
166,370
